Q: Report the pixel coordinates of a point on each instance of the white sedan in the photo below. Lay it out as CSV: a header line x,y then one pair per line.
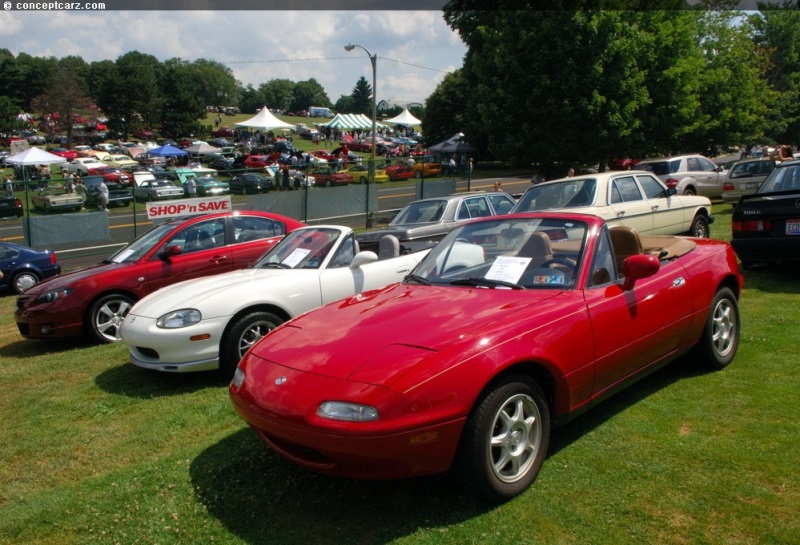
x,y
209,323
637,199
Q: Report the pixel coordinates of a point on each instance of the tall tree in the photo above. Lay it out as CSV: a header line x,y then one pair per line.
x,y
447,111
182,103
277,94
362,97
219,85
8,116
65,97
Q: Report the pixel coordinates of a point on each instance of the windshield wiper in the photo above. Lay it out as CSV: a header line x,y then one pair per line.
x,y
418,279
486,283
273,265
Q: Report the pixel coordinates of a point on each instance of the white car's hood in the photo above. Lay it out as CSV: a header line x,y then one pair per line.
x,y
233,285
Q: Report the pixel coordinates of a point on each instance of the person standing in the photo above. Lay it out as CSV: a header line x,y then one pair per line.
x,y
9,187
191,187
102,195
80,189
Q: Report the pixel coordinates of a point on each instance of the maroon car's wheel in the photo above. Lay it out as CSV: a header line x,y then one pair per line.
x,y
106,316
505,439
721,335
244,333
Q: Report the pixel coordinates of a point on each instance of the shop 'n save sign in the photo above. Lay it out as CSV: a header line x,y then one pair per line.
x,y
187,207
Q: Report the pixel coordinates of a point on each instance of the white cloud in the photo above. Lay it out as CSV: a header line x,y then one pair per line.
x,y
414,48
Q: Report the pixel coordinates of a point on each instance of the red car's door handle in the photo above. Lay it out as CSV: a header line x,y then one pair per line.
x,y
217,259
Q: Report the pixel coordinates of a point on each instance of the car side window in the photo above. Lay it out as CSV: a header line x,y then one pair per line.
x,y
604,270
501,203
247,228
473,207
652,188
344,254
706,165
625,190
693,164
200,236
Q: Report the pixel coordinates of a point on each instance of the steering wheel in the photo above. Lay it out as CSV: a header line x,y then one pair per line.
x,y
571,264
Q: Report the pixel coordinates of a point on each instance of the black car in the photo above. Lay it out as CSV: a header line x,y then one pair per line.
x,y
10,207
160,172
251,182
224,166
766,224
22,267
118,195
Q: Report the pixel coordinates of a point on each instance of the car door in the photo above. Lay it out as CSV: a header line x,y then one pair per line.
x,y
705,174
339,280
203,252
671,215
629,205
635,328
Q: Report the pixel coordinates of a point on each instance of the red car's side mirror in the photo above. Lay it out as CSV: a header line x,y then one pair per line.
x,y
169,251
638,266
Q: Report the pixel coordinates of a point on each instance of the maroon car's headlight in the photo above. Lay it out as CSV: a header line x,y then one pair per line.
x,y
347,412
53,295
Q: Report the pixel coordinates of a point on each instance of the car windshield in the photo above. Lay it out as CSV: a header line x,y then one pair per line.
x,y
139,247
782,179
421,212
509,253
301,249
571,193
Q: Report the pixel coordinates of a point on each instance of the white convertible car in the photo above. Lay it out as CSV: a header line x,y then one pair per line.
x,y
210,323
637,199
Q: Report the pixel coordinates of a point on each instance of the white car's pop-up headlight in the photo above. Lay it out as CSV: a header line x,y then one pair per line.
x,y
179,318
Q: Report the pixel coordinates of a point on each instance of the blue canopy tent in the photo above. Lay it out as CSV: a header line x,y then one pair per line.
x,y
167,151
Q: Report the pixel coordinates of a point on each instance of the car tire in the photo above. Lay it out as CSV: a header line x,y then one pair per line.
x,y
689,191
24,280
106,315
244,190
720,338
363,180
242,334
418,175
699,227
505,439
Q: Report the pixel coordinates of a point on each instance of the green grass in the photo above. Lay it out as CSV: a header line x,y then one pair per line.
x,y
95,450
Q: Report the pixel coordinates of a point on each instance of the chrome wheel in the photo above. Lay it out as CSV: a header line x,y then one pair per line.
x,y
516,437
723,327
252,334
107,315
24,281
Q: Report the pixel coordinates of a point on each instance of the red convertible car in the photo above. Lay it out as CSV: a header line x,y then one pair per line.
x,y
512,324
94,301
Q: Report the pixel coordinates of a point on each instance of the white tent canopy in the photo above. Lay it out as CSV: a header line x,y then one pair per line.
x,y
35,156
264,120
404,118
350,121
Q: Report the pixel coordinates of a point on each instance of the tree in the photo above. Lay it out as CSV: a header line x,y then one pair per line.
x,y
447,111
362,97
309,93
65,97
183,104
277,94
219,86
8,116
346,105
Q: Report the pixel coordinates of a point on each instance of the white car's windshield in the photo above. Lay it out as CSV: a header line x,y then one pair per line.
x,y
520,253
301,249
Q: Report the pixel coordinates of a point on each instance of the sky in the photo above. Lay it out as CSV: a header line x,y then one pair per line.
x,y
415,49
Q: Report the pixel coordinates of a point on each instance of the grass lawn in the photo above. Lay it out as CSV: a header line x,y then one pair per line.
x,y
95,450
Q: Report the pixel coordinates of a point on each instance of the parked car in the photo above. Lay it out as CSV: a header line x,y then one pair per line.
x,y
112,174
83,165
257,162
120,161
427,169
118,195
634,198
206,186
766,224
209,323
149,188
400,171
251,182
745,177
52,200
223,166
23,267
328,176
11,207
159,171
67,154
361,174
511,325
93,301
688,174
421,224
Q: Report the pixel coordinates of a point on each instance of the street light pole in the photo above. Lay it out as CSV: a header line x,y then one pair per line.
x,y
371,171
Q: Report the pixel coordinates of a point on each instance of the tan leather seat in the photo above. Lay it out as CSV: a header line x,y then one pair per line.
x,y
537,248
626,242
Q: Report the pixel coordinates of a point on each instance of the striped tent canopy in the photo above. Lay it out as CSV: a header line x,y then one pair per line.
x,y
350,121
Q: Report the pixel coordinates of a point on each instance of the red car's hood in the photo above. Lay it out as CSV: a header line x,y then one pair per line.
x,y
71,278
404,322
